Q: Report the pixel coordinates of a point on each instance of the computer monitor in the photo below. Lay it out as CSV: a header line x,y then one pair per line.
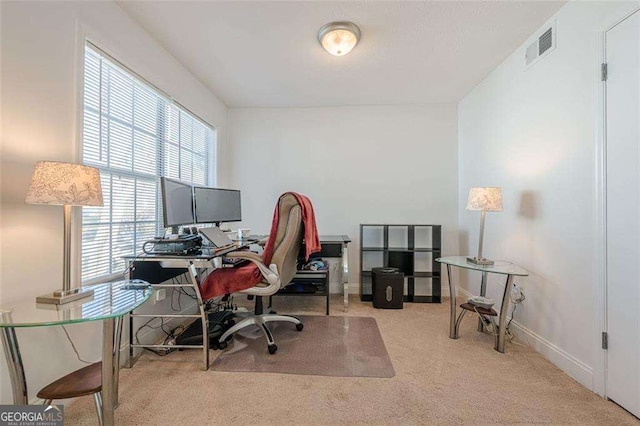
x,y
177,203
216,205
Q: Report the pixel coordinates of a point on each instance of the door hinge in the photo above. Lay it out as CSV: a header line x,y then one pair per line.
x,y
603,72
605,340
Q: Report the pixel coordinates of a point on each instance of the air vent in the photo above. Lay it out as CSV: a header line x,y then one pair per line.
x,y
545,42
541,47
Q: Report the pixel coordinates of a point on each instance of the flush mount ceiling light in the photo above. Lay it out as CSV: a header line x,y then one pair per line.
x,y
339,38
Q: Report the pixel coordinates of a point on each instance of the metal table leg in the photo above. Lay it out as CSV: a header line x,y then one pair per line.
x,y
116,359
345,276
14,362
193,277
130,318
483,293
130,360
108,335
326,289
452,297
463,312
504,308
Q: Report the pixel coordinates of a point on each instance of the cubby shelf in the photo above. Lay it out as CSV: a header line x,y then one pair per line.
x,y
402,255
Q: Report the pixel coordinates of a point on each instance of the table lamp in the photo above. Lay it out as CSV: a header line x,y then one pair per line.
x,y
67,185
485,199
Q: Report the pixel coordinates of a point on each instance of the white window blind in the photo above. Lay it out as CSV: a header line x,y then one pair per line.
x,y
133,134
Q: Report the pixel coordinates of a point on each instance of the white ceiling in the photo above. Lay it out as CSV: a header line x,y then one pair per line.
x,y
266,54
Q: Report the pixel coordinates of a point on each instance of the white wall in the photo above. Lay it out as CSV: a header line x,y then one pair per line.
x,y
534,134
388,164
40,66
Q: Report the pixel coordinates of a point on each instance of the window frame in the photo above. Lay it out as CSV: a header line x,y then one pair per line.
x,y
211,165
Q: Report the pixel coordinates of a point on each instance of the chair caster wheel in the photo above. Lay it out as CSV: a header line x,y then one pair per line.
x,y
231,323
222,345
272,349
299,327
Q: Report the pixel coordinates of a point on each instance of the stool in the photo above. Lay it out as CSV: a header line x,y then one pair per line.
x,y
483,313
86,381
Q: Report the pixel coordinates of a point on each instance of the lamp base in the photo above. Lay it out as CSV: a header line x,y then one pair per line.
x,y
483,261
60,297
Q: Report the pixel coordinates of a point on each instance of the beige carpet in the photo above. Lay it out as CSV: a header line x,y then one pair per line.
x,y
438,381
334,345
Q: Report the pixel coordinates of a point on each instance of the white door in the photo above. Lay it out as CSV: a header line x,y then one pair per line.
x,y
623,213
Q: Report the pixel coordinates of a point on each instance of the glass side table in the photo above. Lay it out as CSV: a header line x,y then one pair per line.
x,y
109,303
500,267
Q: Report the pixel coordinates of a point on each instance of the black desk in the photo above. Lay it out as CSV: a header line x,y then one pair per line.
x,y
307,283
335,246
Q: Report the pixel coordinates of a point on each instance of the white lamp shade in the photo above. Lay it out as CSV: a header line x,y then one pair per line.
x,y
488,199
339,38
59,183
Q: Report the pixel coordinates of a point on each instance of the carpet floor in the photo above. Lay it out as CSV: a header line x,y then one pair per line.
x,y
438,381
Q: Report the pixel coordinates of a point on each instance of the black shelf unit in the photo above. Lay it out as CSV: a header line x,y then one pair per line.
x,y
402,254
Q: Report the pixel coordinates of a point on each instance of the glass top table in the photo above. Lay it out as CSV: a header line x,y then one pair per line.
x,y
500,267
108,304
109,300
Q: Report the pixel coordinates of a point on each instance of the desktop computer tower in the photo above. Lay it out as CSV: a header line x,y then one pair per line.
x,y
387,288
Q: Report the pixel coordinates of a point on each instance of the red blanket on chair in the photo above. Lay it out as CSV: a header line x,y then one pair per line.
x,y
231,280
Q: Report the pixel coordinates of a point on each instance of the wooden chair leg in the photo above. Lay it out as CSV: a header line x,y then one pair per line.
x,y
98,399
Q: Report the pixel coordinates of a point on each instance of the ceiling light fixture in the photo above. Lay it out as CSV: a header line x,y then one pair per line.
x,y
339,38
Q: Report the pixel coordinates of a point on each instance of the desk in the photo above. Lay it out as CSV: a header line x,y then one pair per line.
x,y
336,246
108,304
332,246
307,283
500,267
192,264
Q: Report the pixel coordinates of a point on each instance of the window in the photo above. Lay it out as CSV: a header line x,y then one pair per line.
x,y
134,134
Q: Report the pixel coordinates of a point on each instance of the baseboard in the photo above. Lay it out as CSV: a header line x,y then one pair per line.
x,y
354,288
337,288
572,366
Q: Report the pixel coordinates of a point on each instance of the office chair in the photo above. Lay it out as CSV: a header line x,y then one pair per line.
x,y
283,266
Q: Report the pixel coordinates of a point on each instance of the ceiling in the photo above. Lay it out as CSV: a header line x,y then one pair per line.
x,y
266,54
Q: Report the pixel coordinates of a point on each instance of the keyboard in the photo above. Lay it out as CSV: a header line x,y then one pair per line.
x,y
232,263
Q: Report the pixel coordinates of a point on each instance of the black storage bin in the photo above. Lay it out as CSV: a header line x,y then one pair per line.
x,y
387,286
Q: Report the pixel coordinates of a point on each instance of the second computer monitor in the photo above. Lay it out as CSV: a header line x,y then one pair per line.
x,y
215,205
